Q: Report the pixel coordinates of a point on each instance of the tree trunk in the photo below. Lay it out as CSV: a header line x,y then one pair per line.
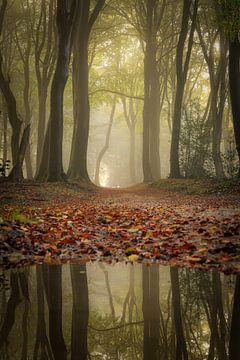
x,y
234,83
181,69
42,170
16,172
42,93
150,156
28,162
132,154
106,145
14,119
78,159
5,130
64,23
55,165
220,91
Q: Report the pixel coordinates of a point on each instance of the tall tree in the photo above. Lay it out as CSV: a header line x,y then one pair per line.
x,y
19,142
182,65
45,58
231,17
217,66
149,14
65,15
84,22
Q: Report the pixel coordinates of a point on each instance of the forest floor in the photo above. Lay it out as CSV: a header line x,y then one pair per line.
x,y
178,222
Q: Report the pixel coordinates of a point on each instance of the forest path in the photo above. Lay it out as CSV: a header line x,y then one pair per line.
x,y
54,223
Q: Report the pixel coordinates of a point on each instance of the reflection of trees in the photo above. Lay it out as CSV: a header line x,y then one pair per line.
x,y
12,303
117,334
54,297
210,290
185,314
234,343
23,280
181,347
18,287
80,312
42,345
151,312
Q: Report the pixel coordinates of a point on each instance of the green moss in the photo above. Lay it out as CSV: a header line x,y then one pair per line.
x,y
199,187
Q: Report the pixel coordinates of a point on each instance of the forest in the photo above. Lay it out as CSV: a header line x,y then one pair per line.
x,y
93,317
120,179
118,93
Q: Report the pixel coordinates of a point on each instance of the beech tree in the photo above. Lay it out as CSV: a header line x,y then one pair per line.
x,y
182,65
45,58
19,142
217,66
83,24
231,17
65,15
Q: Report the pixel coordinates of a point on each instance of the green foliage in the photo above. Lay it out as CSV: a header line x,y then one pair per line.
x,y
231,17
230,158
194,141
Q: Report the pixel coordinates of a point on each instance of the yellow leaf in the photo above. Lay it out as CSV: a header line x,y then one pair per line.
x,y
133,257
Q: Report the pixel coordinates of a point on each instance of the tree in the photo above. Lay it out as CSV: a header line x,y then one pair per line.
x,y
65,15
45,58
217,66
25,50
106,145
182,70
231,17
83,24
19,142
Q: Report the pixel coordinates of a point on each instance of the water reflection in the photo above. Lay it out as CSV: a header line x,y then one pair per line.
x,y
99,311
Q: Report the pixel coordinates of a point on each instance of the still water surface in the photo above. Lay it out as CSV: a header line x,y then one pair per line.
x,y
99,311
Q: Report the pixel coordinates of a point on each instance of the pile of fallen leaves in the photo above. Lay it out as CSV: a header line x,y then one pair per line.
x,y
143,225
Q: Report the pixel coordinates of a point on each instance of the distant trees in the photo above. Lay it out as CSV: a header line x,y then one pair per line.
x,y
179,52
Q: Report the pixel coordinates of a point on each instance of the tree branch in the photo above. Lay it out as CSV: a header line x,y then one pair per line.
x,y
117,93
95,14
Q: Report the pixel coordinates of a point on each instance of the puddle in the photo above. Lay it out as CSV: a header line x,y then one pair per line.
x,y
99,311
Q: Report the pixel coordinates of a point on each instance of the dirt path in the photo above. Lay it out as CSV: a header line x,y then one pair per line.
x,y
54,223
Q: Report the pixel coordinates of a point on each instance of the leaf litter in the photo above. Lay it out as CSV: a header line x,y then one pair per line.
x,y
146,225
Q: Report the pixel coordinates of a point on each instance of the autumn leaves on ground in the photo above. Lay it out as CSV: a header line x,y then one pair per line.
x,y
57,223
